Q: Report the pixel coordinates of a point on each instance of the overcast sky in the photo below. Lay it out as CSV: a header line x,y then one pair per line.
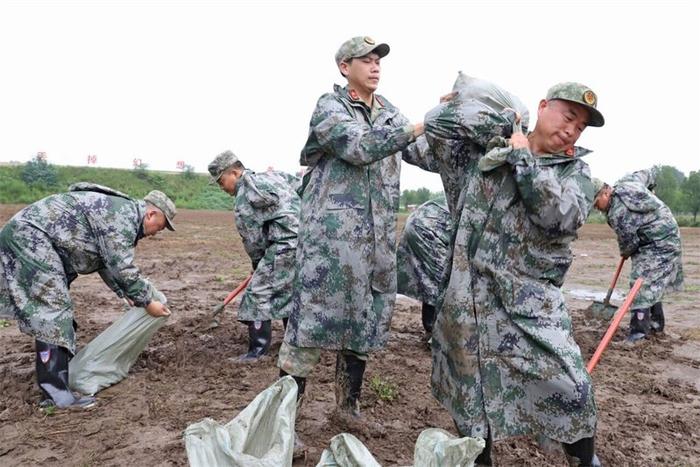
x,y
169,81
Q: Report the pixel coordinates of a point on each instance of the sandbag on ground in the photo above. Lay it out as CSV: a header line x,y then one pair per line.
x,y
262,435
106,359
438,448
347,451
434,448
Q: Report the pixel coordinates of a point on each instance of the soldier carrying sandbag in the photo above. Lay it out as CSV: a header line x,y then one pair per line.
x,y
505,362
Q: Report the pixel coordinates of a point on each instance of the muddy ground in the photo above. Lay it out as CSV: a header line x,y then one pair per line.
x,y
648,395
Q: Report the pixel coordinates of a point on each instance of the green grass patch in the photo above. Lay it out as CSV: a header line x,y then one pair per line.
x,y
385,390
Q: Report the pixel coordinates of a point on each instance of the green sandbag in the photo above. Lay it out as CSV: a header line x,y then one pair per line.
x,y
262,435
106,359
347,451
436,448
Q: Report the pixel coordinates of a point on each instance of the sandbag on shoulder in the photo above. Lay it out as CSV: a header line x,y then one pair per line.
x,y
479,112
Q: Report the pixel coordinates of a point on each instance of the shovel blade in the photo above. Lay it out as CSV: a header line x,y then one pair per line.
x,y
601,310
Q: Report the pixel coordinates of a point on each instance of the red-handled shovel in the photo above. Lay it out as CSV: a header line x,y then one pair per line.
x,y
614,325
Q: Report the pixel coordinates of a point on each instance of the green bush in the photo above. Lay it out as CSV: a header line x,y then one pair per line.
x,y
39,172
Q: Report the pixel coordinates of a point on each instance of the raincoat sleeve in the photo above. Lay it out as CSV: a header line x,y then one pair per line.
x,y
251,215
625,223
111,283
117,253
333,130
558,205
254,241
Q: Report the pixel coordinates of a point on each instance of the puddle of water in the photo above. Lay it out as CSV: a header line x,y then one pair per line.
x,y
594,295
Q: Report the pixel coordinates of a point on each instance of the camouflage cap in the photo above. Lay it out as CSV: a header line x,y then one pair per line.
x,y
580,94
218,166
359,47
598,185
165,204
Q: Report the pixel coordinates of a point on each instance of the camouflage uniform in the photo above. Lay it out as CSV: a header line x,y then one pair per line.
x,y
422,251
46,245
648,233
266,213
504,357
345,285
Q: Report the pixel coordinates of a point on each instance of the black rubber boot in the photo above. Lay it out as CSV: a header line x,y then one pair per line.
x,y
657,318
301,385
259,338
582,453
349,371
52,377
640,325
428,317
484,457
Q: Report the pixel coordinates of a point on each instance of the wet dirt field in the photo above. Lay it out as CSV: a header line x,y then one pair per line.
x,y
648,395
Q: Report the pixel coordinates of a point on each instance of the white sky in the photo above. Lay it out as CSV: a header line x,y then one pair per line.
x,y
168,81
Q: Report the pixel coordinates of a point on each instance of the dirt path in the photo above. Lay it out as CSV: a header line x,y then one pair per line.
x,y
648,396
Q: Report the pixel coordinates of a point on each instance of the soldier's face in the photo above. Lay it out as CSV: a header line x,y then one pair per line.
x,y
602,201
228,181
153,222
559,124
363,72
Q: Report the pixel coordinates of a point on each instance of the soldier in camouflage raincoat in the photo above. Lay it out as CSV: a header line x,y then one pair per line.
x,y
266,213
648,233
421,256
46,245
345,285
505,362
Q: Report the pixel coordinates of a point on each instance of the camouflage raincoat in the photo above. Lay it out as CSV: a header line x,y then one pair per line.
x,y
504,356
46,245
345,285
648,233
266,213
422,251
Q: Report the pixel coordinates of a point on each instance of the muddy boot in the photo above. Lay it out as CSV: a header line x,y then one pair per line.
x,y
657,318
581,453
348,383
52,377
428,317
259,338
299,446
640,325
